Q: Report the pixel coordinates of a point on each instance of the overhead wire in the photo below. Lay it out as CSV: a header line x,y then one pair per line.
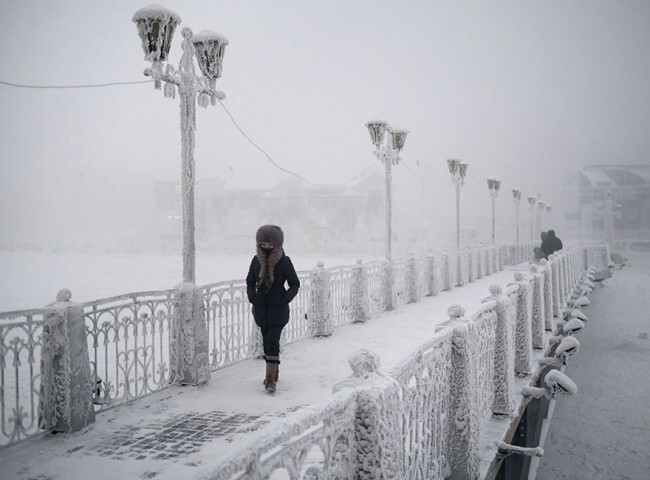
x,y
232,119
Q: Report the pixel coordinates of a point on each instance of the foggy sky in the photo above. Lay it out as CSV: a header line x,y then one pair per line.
x,y
526,91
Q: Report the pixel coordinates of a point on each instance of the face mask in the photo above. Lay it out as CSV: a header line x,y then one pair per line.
x,y
267,251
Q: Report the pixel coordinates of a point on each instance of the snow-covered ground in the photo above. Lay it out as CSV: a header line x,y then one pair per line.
x,y
604,431
31,279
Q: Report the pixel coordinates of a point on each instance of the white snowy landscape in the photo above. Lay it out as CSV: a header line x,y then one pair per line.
x,y
460,285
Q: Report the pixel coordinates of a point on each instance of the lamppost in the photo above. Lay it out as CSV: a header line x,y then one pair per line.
x,y
156,27
531,202
458,172
549,209
387,150
541,206
494,185
516,196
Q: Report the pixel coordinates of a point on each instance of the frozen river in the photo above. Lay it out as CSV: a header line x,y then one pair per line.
x,y
603,432
32,279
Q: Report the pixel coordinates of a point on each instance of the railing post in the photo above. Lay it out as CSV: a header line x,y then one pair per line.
x,y
549,304
504,369
446,280
432,281
470,266
557,308
379,454
412,279
463,420
537,321
66,391
189,359
459,269
481,264
320,302
488,261
523,333
388,285
360,293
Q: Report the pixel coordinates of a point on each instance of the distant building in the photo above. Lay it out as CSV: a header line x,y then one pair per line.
x,y
311,214
630,187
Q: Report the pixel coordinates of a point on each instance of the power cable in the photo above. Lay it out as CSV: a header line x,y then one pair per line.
x,y
49,87
279,167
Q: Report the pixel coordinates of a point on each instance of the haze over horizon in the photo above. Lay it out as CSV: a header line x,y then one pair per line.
x,y
526,91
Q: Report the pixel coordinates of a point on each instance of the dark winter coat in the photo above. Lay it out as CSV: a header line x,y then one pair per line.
x,y
271,305
551,244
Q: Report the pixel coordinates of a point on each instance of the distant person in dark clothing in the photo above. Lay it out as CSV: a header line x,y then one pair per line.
x,y
551,244
269,271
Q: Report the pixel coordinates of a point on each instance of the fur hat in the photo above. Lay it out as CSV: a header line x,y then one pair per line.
x,y
271,234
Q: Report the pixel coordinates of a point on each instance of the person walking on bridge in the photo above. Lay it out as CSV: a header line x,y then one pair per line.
x,y
270,269
551,244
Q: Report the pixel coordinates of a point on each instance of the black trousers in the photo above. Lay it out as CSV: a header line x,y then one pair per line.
x,y
271,337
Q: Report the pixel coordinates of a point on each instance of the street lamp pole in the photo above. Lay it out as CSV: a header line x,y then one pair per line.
x,y
531,202
156,27
494,185
516,196
541,206
458,172
388,144
549,209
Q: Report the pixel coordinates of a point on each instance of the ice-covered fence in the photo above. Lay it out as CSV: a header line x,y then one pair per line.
x,y
129,336
485,320
20,374
423,379
128,344
316,442
231,330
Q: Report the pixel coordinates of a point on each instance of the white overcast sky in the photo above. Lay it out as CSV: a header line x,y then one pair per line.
x,y
523,90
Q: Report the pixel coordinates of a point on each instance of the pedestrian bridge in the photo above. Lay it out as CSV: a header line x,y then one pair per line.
x,y
416,368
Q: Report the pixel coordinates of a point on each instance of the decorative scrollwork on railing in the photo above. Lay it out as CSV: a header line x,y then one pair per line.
x,y
20,350
375,286
341,279
128,344
424,383
315,443
485,341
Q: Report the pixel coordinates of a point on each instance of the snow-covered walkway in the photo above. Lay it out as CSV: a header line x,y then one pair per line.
x,y
604,431
172,433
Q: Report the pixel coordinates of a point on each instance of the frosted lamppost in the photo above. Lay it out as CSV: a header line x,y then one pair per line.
x,y
531,202
388,144
156,26
549,209
542,206
458,172
516,196
494,185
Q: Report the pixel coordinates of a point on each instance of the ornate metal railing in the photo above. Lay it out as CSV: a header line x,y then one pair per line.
x,y
316,442
299,326
424,383
485,321
128,345
376,292
20,374
341,279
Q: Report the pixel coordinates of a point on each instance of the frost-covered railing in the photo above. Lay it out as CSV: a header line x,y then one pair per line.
x,y
423,420
128,345
133,339
315,442
20,374
423,380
